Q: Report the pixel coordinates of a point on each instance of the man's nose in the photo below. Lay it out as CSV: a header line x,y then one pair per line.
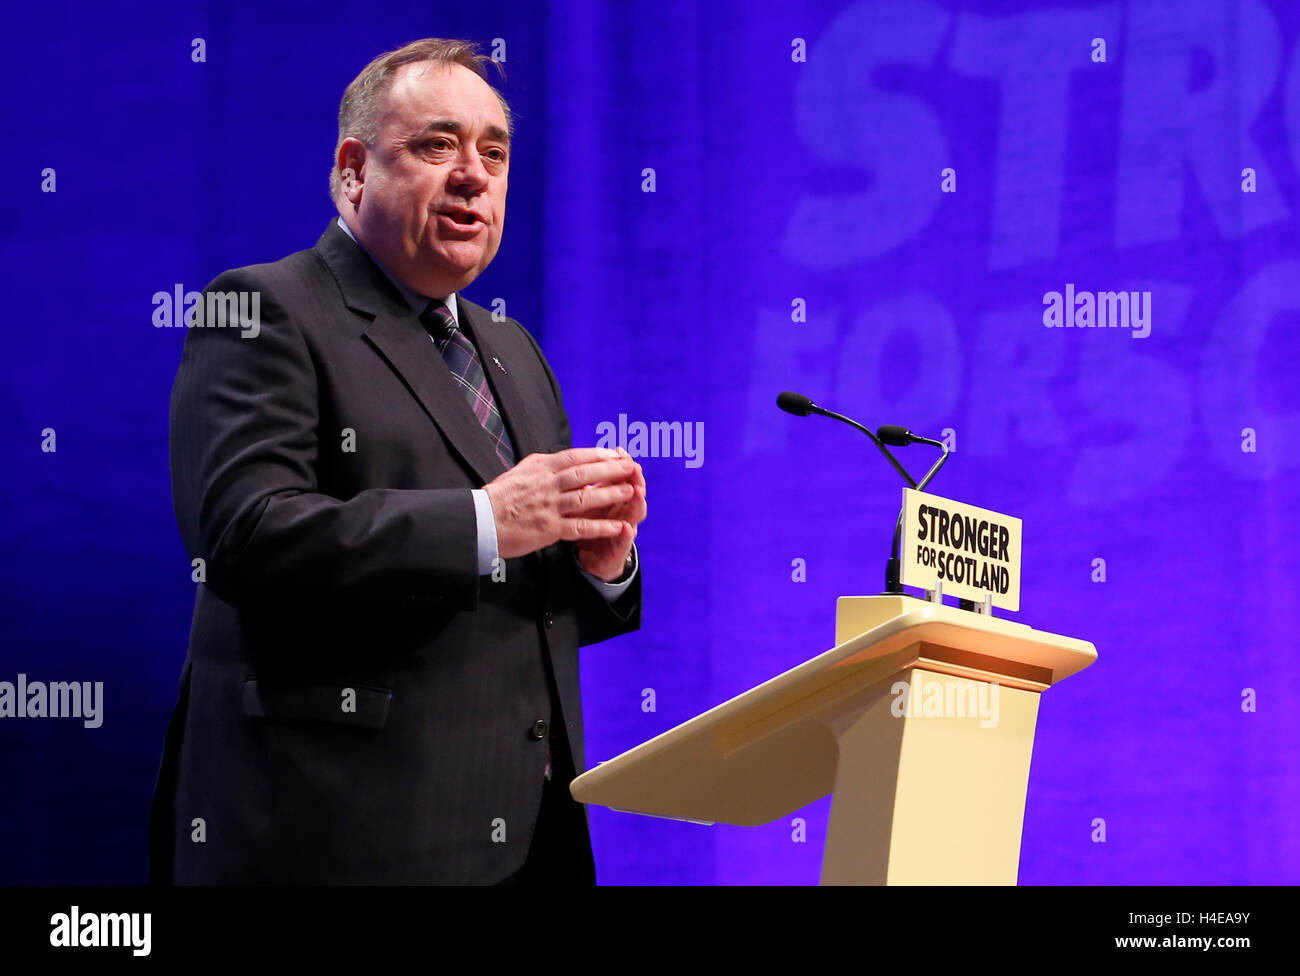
x,y
470,173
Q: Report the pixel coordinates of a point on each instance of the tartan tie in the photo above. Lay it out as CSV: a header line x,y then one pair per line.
x,y
458,353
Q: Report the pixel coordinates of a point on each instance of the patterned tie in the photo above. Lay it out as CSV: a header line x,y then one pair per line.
x,y
458,352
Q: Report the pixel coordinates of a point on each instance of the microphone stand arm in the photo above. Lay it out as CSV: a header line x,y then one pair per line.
x,y
911,482
894,568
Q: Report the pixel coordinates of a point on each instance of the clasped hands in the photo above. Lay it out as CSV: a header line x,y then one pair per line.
x,y
593,497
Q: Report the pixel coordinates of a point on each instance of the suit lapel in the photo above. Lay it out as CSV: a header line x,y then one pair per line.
x,y
411,354
396,332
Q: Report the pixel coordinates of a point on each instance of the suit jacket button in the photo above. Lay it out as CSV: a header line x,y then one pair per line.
x,y
538,730
548,619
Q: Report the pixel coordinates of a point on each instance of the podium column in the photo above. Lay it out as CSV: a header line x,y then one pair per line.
x,y
930,782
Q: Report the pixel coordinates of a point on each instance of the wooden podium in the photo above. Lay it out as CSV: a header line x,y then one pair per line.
x,y
920,720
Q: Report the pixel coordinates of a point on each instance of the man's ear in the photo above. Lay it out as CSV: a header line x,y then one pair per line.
x,y
352,168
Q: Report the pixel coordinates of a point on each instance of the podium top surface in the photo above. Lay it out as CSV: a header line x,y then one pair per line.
x,y
708,768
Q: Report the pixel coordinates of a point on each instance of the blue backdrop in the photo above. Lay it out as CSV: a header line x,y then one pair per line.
x,y
866,202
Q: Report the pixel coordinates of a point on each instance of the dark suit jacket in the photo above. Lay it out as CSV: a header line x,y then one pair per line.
x,y
357,703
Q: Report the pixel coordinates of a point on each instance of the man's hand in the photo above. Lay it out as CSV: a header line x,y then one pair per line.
x,y
605,557
546,498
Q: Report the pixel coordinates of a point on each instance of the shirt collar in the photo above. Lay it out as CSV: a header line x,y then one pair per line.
x,y
413,298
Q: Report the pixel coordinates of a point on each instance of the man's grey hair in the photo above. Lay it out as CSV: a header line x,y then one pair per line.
x,y
361,111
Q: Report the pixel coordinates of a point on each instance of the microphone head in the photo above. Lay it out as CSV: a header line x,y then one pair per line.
x,y
795,403
895,436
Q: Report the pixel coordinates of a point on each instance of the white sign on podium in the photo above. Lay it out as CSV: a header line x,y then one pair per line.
x,y
970,552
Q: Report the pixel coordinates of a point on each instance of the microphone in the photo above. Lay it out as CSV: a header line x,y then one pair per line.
x,y
802,406
896,436
889,434
795,403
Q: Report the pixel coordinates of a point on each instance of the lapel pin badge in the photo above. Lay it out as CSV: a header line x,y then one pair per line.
x,y
498,362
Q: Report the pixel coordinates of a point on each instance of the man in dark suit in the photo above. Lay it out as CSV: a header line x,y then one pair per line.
x,y
402,551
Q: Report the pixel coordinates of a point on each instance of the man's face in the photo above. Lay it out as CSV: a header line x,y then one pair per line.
x,y
429,201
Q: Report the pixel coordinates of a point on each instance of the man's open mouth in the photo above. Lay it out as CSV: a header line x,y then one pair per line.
x,y
463,217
